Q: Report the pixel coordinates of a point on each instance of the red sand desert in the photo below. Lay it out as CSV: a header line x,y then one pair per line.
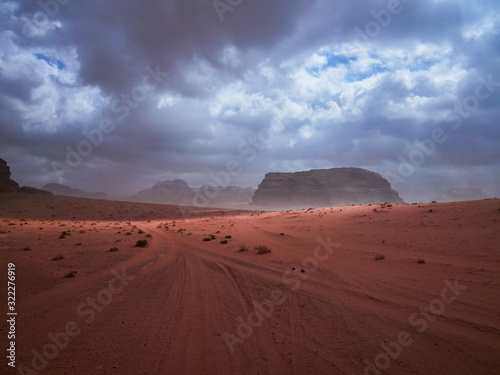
x,y
406,289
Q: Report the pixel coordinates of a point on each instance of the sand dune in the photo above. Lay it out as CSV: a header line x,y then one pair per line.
x,y
183,305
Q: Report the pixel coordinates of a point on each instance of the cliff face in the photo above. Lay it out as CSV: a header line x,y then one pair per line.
x,y
59,189
6,183
462,194
324,188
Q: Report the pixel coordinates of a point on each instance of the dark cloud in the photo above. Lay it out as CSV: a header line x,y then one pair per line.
x,y
147,91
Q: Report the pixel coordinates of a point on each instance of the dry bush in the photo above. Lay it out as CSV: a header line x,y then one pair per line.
x,y
262,249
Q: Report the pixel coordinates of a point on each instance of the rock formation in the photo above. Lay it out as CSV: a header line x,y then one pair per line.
x,y
323,188
179,192
167,192
59,189
462,194
6,183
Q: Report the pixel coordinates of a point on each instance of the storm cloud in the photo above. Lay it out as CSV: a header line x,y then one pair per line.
x,y
115,96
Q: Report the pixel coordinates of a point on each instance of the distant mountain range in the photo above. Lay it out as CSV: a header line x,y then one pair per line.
x,y
59,189
462,194
179,192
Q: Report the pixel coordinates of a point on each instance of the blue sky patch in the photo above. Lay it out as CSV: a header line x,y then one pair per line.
x,y
40,56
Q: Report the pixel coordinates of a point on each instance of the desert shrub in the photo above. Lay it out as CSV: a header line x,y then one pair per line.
x,y
206,239
379,257
262,249
141,243
228,236
113,249
149,236
223,242
421,261
27,248
140,231
58,257
70,274
212,236
243,248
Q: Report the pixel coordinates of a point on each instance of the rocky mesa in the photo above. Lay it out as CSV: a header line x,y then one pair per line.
x,y
323,188
8,185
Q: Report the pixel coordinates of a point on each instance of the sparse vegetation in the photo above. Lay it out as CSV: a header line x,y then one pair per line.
x,y
421,261
63,235
223,242
141,243
58,257
243,248
212,236
113,250
262,249
140,231
206,239
228,236
379,257
70,274
27,248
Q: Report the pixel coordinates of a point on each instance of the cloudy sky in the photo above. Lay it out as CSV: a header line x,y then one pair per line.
x,y
116,95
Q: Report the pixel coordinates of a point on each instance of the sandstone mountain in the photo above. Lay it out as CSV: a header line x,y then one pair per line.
x,y
179,192
323,188
167,192
462,194
8,185
59,189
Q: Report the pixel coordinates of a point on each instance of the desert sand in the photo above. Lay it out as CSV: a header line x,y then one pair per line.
x,y
410,289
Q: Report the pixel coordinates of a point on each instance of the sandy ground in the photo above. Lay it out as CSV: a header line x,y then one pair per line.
x,y
183,305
